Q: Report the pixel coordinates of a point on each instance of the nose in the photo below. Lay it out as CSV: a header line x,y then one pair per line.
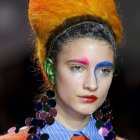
x,y
90,82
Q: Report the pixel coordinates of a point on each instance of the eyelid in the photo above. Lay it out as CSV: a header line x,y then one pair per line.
x,y
76,69
105,67
77,64
107,70
80,66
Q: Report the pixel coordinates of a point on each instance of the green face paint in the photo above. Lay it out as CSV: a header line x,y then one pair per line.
x,y
49,69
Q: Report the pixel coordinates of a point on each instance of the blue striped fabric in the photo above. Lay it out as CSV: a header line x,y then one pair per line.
x,y
58,132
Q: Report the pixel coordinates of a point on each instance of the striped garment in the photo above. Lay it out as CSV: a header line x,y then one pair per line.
x,y
58,132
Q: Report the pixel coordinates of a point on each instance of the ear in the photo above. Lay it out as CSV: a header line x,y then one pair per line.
x,y
49,69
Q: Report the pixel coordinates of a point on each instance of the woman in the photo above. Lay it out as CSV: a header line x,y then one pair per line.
x,y
76,47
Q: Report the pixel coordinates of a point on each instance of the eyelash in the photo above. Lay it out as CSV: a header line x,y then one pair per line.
x,y
76,68
105,71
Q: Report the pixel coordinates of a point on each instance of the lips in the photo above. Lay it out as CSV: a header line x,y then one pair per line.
x,y
89,98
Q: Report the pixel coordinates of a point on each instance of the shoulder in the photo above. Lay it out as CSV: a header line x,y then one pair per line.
x,y
22,135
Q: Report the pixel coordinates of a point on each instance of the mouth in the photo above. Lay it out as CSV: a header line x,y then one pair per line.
x,y
88,98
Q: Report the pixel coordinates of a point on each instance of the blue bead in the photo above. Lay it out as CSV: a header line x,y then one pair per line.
x,y
111,136
35,122
52,103
108,126
38,106
35,138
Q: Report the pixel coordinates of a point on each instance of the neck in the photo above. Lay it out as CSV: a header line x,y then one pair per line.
x,y
71,120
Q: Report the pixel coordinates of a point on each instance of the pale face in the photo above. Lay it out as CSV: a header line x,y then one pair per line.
x,y
83,75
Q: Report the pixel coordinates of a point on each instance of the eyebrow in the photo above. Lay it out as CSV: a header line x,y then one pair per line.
x,y
104,63
82,60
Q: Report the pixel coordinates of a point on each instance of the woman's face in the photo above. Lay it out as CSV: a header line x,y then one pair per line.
x,y
83,75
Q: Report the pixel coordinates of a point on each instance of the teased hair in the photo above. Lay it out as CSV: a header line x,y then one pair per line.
x,y
46,15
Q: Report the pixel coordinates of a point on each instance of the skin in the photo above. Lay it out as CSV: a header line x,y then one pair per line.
x,y
84,67
70,85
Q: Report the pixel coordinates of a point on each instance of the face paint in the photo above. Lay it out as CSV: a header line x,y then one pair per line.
x,y
82,60
103,70
77,68
74,76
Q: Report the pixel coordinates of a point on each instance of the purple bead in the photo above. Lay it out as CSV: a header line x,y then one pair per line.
x,y
11,130
103,131
42,115
53,112
108,126
28,121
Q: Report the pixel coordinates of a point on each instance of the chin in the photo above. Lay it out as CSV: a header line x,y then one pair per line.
x,y
88,112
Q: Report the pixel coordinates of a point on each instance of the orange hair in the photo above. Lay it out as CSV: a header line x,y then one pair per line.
x,y
46,15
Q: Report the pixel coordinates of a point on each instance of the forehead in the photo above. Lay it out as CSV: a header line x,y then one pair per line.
x,y
92,49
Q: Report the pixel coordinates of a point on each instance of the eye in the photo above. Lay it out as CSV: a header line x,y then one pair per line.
x,y
105,71
76,69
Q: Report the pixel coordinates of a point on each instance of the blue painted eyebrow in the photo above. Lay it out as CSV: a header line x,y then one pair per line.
x,y
104,64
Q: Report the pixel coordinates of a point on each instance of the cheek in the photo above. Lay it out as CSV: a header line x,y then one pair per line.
x,y
104,86
67,83
66,77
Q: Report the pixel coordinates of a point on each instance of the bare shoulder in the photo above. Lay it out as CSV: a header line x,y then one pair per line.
x,y
22,135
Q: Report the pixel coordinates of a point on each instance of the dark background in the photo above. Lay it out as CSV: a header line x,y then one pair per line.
x,y
20,79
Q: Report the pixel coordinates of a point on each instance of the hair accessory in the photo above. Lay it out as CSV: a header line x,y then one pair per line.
x,y
45,113
104,118
46,15
94,25
49,69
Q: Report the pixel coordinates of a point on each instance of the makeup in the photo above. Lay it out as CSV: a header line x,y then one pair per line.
x,y
88,99
103,64
82,60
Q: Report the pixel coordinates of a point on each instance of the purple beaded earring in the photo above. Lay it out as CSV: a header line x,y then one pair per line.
x,y
45,108
45,113
104,119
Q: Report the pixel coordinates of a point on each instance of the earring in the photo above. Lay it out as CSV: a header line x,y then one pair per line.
x,y
104,119
45,113
49,69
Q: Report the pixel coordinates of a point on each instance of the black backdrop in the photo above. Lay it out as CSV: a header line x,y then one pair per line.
x,y
20,80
